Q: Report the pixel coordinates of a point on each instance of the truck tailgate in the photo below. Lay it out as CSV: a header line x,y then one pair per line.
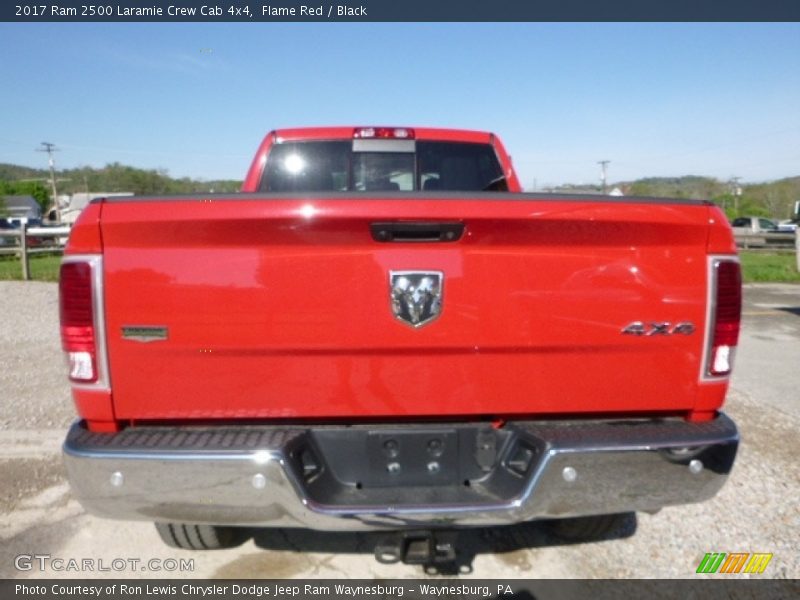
x,y
280,307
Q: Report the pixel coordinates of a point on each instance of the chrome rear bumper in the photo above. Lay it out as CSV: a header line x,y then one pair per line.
x,y
335,478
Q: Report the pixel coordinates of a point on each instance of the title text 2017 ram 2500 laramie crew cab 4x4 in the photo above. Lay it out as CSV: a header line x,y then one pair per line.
x,y
382,332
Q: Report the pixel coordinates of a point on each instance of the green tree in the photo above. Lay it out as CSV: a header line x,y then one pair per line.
x,y
777,197
748,206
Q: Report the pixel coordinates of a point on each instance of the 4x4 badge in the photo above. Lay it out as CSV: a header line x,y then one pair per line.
x,y
416,296
659,328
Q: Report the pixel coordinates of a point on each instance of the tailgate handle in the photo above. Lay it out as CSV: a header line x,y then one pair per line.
x,y
405,231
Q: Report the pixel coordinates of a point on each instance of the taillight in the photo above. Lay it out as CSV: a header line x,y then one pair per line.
x,y
77,309
725,316
396,133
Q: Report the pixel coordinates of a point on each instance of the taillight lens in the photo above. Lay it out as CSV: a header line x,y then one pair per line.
x,y
727,314
77,321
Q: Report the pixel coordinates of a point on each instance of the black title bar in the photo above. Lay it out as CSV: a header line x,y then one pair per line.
x,y
394,589
400,10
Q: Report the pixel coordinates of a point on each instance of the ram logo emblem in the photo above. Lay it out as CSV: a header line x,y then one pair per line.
x,y
416,296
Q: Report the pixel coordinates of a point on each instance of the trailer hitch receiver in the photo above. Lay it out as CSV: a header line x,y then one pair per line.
x,y
426,548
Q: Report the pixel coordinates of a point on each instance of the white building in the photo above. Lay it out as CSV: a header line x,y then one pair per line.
x,y
71,206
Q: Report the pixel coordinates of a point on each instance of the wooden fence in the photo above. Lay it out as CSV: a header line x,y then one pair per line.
x,y
53,240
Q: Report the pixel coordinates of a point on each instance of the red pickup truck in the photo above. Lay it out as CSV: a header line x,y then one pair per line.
x,y
383,332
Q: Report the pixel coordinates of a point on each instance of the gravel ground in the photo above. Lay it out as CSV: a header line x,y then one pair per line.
x,y
757,510
35,390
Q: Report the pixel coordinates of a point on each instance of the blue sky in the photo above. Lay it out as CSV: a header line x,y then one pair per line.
x,y
655,99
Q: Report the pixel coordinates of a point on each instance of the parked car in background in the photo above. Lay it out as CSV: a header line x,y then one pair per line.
x,y
34,241
744,225
6,240
789,225
753,231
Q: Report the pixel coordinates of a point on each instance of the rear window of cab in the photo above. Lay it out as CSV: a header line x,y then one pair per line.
x,y
381,165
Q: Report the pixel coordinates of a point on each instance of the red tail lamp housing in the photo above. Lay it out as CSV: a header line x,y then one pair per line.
x,y
78,306
725,313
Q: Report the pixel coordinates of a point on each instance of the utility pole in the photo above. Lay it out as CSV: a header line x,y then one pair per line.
x,y
50,148
603,164
736,190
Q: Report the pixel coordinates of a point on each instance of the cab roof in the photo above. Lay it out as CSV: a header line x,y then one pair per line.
x,y
348,133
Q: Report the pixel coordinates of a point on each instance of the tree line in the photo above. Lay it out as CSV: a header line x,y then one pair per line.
x,y
771,199
775,199
114,177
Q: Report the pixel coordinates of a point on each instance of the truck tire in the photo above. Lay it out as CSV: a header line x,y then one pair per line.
x,y
199,537
595,527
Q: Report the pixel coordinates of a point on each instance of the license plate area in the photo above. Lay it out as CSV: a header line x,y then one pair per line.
x,y
412,458
362,467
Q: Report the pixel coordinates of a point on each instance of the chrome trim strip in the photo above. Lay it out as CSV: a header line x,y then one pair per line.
x,y
95,262
256,457
215,486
